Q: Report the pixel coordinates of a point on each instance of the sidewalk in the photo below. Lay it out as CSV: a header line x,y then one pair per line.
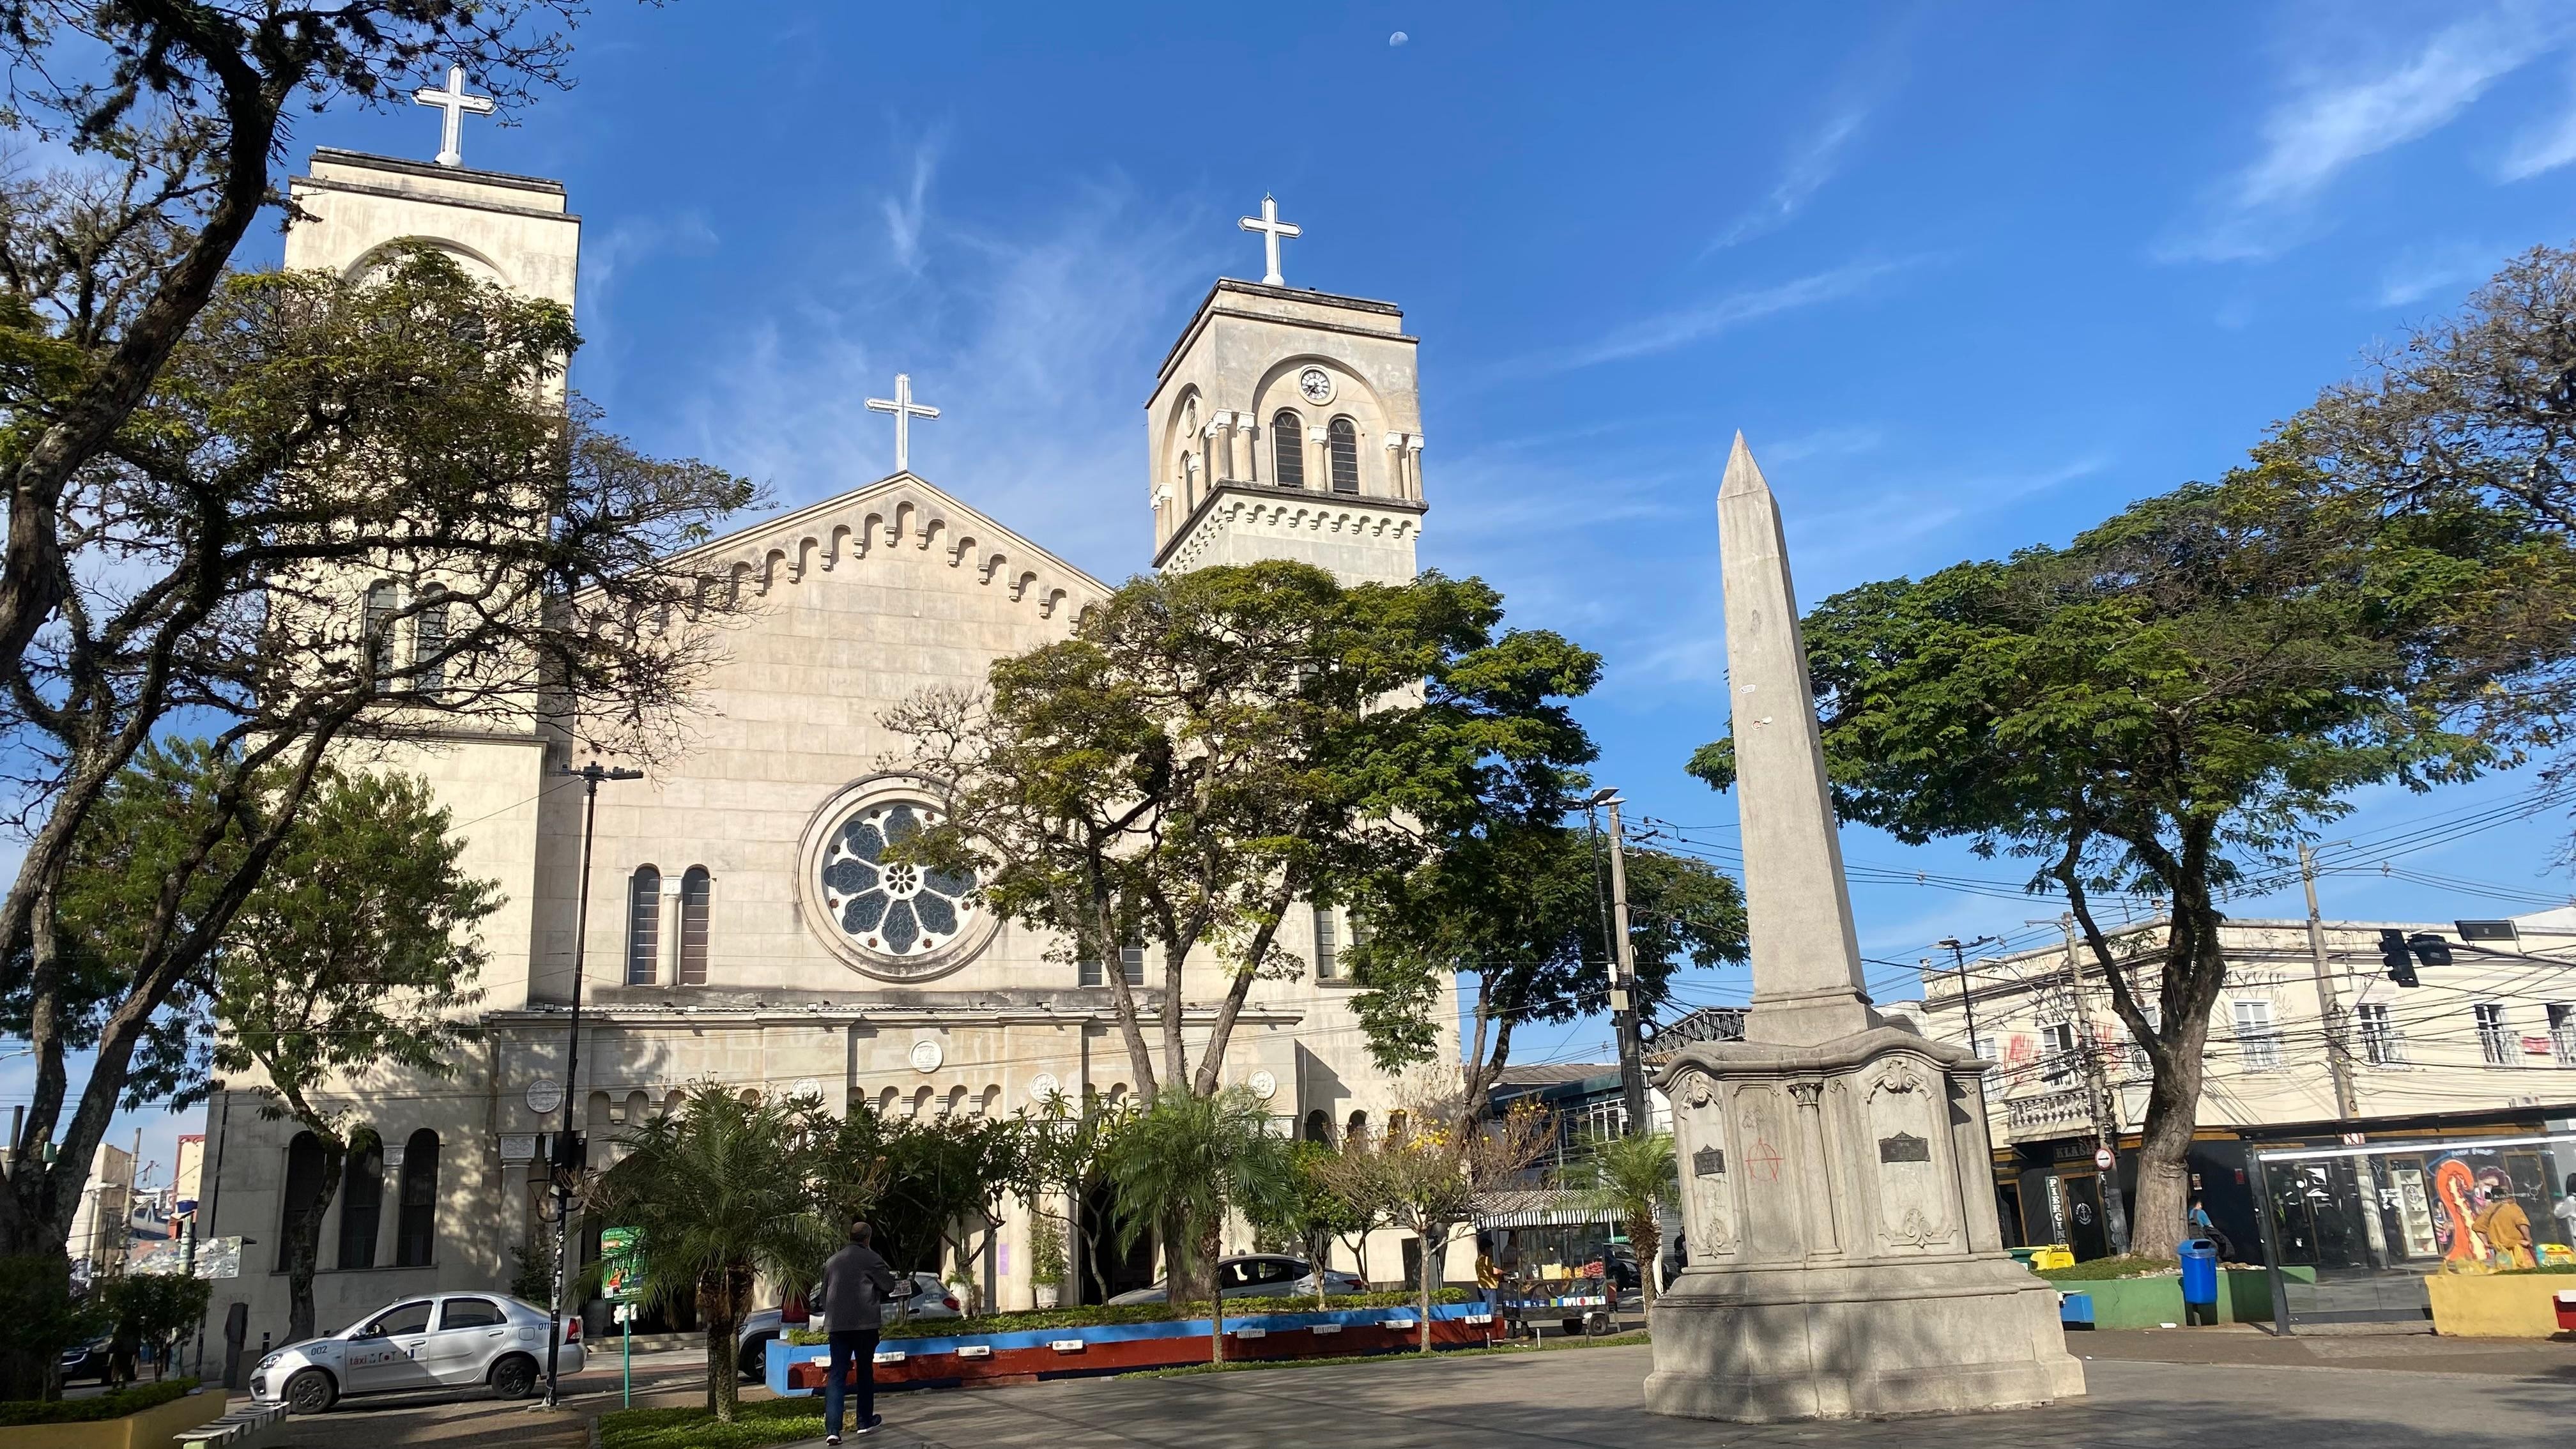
x,y
2243,1345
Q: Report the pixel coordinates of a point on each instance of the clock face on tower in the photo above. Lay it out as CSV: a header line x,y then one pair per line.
x,y
1316,384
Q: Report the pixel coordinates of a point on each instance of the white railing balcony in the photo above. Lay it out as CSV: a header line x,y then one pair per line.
x,y
2049,1114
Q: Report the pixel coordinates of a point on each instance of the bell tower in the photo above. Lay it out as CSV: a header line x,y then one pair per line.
x,y
1287,423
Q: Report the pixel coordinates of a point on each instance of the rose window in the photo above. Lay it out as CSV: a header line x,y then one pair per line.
x,y
897,909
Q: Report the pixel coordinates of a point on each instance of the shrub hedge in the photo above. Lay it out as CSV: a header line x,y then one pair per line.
x,y
106,1406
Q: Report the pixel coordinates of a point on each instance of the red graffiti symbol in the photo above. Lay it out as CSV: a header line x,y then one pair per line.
x,y
1765,1159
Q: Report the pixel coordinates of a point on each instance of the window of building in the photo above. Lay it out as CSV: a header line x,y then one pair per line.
x,y
2140,1064
644,926
362,1198
380,629
2562,1033
304,1182
415,1235
2257,1044
1344,440
2378,1035
2058,1039
1356,1130
1288,450
1327,945
696,890
1319,1127
428,641
1987,1049
1131,964
2493,1043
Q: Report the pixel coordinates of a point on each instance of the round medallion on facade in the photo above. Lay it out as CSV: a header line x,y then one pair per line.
x,y
1043,1086
895,919
1315,385
926,1056
1263,1085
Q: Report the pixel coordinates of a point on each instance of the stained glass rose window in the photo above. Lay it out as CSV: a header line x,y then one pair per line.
x,y
890,908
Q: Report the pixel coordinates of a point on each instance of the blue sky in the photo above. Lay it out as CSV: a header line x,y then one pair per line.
x,y
1967,280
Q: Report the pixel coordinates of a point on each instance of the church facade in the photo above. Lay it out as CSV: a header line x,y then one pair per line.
x,y
728,936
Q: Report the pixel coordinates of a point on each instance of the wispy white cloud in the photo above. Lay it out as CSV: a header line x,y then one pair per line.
x,y
904,214
1682,326
1842,442
608,261
2345,109
1029,342
1811,163
2544,147
2421,272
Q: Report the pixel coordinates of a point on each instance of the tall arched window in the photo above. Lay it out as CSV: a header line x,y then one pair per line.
x,y
643,926
1288,450
380,629
416,1231
362,1200
1344,438
697,888
304,1180
1319,1127
428,641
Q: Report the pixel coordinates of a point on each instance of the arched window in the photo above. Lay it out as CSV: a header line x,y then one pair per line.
x,y
428,641
380,629
1288,450
416,1233
1357,1131
362,1201
696,890
1319,1127
644,926
304,1180
1344,439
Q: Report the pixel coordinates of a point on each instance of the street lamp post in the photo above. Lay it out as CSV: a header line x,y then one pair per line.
x,y
590,775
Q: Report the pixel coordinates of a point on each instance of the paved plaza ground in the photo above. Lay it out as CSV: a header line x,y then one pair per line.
x,y
2206,1389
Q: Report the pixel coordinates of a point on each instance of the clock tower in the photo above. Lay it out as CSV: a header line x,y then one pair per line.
x,y
1287,423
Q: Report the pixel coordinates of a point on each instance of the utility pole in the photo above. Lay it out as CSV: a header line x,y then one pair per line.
x,y
2097,1096
1958,950
590,775
1623,971
2329,1010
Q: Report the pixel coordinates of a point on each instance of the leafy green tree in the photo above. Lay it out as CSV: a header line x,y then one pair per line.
x,y
1190,1160
1069,1144
1313,1211
311,440
2171,701
1519,907
1634,1177
722,1191
153,1311
1212,746
1436,1173
358,948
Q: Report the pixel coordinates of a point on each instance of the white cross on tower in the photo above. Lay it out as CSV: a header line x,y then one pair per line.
x,y
1271,229
904,410
455,102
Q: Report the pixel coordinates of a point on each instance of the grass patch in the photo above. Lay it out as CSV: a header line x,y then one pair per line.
x,y
106,1406
770,1421
2543,1268
1616,1340
1096,1315
2100,1269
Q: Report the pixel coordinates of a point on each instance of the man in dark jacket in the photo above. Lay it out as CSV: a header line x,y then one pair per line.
x,y
855,1284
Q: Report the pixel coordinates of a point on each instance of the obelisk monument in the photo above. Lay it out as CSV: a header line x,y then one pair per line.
x,y
1837,1196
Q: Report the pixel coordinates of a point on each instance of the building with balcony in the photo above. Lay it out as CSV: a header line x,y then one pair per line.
x,y
2311,1042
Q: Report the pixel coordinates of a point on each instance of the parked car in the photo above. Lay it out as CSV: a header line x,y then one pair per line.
x,y
443,1340
85,1361
930,1299
1257,1275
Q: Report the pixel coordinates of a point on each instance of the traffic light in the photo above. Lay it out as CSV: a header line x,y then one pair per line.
x,y
2399,961
2430,949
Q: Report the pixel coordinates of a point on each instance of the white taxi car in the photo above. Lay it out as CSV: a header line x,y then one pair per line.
x,y
440,1340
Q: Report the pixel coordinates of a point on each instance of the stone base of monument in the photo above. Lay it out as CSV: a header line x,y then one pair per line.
x,y
1847,1342
1845,1259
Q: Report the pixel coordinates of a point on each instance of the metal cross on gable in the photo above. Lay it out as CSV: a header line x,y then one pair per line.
x,y
904,410
1271,229
455,102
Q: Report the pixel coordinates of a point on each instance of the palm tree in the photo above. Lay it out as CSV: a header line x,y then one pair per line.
x,y
1632,1177
720,1194
1188,1161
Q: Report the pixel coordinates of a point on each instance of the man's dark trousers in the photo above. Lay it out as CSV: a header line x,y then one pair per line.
x,y
855,1348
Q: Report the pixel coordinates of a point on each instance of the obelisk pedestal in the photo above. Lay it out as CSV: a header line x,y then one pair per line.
x,y
1838,1200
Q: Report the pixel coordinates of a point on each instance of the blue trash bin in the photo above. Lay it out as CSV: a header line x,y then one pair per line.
x,y
2200,1280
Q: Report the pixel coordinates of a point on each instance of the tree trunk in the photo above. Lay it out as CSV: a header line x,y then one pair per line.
x,y
1648,1240
304,1243
2164,1148
721,1304
1212,1247
29,1370
1431,1247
